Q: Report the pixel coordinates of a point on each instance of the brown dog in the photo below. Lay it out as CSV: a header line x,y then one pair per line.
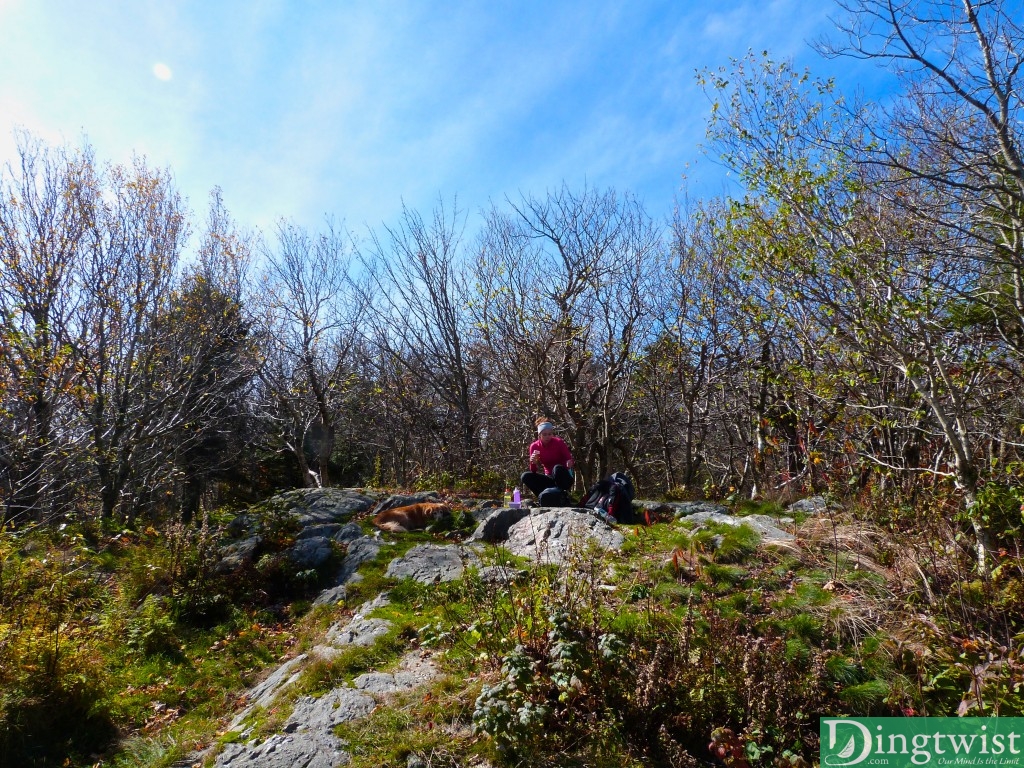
x,y
414,517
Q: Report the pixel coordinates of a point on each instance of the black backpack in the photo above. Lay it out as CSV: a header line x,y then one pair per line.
x,y
614,497
554,497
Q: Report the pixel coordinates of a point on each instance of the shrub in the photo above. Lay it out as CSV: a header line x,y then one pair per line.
x,y
652,687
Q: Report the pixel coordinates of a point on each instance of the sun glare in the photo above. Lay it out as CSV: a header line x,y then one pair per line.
x,y
162,72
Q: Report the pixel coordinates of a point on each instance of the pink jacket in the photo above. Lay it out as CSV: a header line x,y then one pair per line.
x,y
555,452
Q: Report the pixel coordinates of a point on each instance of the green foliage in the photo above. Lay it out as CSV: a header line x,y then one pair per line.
x,y
864,698
683,493
435,481
152,629
1000,507
639,684
758,507
804,625
101,634
53,681
729,575
486,481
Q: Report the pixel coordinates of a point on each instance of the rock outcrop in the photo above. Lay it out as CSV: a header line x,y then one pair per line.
x,y
548,535
307,737
432,563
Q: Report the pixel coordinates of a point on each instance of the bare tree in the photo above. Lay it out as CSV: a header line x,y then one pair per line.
x,y
570,284
706,376
859,266
308,321
136,232
957,129
44,213
419,302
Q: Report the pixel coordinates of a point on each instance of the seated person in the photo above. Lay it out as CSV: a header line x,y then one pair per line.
x,y
550,461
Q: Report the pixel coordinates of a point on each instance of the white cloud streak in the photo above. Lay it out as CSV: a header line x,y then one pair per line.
x,y
347,110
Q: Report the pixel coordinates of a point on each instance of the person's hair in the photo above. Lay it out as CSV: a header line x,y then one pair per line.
x,y
541,419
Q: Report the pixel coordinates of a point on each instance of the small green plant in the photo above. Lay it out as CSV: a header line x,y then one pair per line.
x,y
507,711
152,629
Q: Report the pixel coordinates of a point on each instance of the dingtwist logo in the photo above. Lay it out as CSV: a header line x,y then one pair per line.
x,y
921,742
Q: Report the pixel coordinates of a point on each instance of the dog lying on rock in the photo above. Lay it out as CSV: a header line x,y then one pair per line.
x,y
414,517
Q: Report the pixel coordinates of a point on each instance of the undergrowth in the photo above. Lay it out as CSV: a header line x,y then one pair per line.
x,y
688,646
111,637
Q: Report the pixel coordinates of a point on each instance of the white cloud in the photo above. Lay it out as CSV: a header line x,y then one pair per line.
x,y
162,72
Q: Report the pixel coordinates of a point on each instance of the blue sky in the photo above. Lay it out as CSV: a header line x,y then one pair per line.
x,y
348,108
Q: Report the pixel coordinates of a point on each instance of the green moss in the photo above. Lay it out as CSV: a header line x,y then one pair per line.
x,y
723,574
803,625
672,593
843,670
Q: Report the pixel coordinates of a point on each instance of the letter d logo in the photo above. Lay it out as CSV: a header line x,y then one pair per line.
x,y
845,755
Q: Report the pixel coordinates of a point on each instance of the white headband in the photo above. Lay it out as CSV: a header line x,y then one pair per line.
x,y
544,425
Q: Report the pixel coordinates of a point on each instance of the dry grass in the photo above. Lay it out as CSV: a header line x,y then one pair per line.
x,y
823,537
863,604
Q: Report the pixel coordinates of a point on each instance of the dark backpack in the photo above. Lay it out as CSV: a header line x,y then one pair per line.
x,y
614,497
554,497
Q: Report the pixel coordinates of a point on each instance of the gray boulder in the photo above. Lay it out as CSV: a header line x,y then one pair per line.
x,y
327,530
332,595
314,506
812,505
484,508
430,563
501,574
549,535
348,532
238,554
691,508
312,552
654,507
263,694
360,631
359,550
241,525
494,527
309,749
307,739
324,713
413,671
